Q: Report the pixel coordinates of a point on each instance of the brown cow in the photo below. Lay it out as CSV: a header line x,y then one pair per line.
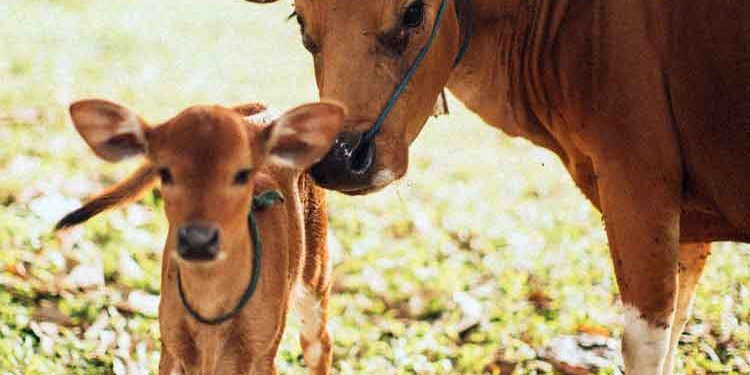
x,y
647,103
214,318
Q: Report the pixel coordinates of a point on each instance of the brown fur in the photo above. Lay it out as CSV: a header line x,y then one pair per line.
x,y
645,102
202,148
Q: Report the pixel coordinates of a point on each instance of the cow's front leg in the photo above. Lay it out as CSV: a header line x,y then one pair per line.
x,y
640,200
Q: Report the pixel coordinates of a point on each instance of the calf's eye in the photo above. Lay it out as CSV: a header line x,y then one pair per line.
x,y
242,177
166,176
414,15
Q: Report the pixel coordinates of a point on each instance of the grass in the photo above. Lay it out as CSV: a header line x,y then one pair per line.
x,y
478,262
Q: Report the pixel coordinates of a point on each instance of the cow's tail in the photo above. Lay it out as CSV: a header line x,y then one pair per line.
x,y
126,191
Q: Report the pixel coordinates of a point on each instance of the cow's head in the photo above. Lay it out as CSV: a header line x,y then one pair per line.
x,y
207,158
362,50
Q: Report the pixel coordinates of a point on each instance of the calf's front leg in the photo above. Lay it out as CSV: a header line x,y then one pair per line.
x,y
167,364
266,366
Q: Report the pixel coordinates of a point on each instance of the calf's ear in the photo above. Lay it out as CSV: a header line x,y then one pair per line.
x,y
112,131
249,109
303,135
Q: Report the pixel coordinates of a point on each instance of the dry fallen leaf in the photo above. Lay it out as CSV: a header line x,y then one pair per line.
x,y
594,330
85,276
142,303
17,269
48,312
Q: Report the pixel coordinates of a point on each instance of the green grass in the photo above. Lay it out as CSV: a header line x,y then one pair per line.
x,y
476,261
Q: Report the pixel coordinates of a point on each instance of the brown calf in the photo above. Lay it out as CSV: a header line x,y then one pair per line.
x,y
212,162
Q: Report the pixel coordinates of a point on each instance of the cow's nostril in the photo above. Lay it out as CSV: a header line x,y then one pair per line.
x,y
214,239
362,158
347,165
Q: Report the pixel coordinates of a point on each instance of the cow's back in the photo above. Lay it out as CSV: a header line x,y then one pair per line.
x,y
708,75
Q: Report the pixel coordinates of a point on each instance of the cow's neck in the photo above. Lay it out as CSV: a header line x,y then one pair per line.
x,y
215,290
501,78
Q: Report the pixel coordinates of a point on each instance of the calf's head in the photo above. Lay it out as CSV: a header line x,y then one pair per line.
x,y
207,158
361,51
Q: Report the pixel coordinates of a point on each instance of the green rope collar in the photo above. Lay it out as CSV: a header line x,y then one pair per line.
x,y
260,202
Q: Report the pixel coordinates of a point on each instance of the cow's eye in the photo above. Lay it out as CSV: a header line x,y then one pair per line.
x,y
414,15
166,176
242,177
309,44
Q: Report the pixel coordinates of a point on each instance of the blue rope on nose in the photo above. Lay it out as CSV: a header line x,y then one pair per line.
x,y
370,134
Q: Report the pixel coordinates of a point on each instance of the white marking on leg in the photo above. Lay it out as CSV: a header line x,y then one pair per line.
x,y
314,351
645,345
308,308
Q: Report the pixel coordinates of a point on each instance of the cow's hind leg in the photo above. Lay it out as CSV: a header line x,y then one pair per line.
x,y
692,260
312,309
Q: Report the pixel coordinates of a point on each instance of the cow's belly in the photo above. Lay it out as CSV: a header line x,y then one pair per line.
x,y
709,83
701,219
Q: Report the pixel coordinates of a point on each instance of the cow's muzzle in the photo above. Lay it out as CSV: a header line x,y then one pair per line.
x,y
348,165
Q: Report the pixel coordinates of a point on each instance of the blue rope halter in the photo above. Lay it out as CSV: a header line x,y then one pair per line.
x,y
260,202
372,132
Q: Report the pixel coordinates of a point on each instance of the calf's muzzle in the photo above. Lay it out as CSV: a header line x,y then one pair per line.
x,y
198,242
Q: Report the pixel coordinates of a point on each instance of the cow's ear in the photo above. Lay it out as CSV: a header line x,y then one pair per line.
x,y
112,131
303,135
